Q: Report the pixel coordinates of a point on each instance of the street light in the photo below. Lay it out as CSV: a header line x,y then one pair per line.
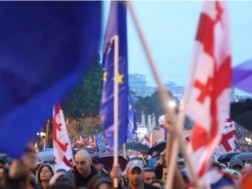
x,y
248,140
172,103
42,136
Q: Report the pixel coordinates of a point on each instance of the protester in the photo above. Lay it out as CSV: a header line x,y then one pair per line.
x,y
149,175
157,184
61,186
3,162
220,179
44,175
134,172
98,163
160,166
236,165
3,176
61,181
83,170
100,181
19,176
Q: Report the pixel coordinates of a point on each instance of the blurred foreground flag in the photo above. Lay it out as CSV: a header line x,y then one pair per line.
x,y
116,26
62,151
45,48
242,76
208,94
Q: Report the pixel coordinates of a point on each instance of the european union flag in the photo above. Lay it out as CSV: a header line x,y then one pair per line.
x,y
45,47
99,144
116,26
132,117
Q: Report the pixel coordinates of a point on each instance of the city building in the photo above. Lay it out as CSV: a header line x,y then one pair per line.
x,y
138,85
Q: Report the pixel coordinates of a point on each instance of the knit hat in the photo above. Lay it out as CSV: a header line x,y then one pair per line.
x,y
134,163
236,162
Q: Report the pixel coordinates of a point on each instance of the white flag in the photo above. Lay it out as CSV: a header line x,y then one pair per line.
x,y
62,151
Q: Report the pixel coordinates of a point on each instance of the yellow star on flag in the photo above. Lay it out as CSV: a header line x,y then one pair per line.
x,y
119,78
105,76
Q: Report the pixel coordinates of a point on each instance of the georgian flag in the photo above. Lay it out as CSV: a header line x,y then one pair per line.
x,y
227,143
62,151
208,94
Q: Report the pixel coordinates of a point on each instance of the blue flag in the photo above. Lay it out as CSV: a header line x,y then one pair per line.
x,y
45,47
132,127
116,26
99,144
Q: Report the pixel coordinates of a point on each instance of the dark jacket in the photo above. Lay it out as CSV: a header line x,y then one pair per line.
x,y
81,181
148,186
159,171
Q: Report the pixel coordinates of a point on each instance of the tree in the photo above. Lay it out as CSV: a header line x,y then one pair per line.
x,y
84,101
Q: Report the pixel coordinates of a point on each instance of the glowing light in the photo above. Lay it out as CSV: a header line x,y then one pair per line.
x,y
172,104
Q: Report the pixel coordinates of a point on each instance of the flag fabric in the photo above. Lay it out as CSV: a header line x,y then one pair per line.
x,y
227,143
208,94
161,123
45,48
99,144
242,76
116,26
132,127
62,150
146,140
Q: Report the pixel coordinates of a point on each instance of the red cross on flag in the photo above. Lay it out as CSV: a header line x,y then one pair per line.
x,y
61,143
208,94
227,143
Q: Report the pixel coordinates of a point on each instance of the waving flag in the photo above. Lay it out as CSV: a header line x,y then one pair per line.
x,y
99,144
62,150
45,47
227,143
208,94
116,27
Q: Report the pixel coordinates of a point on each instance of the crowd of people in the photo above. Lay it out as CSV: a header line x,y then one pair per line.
x,y
90,173
243,146
89,143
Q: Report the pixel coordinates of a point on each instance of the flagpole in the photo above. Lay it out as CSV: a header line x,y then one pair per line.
x,y
47,131
116,104
124,151
164,99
